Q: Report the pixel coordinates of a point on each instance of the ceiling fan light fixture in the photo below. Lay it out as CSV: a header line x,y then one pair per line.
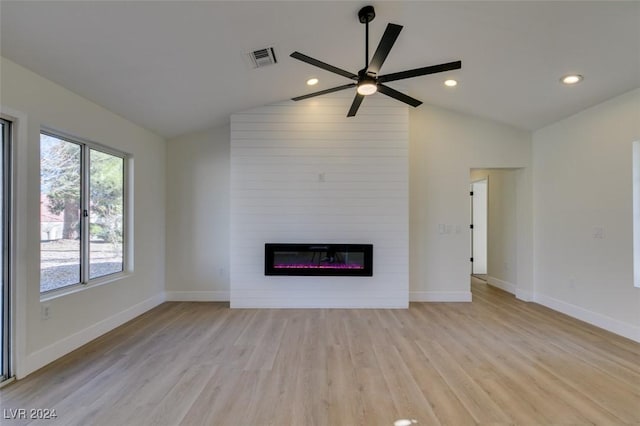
x,y
367,87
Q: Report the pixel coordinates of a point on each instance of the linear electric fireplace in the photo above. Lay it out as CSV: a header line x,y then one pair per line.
x,y
319,259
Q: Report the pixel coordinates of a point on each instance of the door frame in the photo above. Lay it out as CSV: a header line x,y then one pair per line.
x,y
18,231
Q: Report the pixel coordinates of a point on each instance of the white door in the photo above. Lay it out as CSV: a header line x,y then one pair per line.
x,y
479,207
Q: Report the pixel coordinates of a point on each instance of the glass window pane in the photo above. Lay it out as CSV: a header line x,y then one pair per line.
x,y
59,213
106,190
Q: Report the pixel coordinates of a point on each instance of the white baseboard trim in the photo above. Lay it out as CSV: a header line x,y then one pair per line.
x,y
197,296
607,323
36,360
319,303
524,295
502,285
440,296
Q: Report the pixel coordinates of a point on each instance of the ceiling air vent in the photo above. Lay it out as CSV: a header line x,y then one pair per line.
x,y
263,57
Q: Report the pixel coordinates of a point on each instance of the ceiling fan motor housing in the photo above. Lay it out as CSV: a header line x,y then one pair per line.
x,y
366,14
366,74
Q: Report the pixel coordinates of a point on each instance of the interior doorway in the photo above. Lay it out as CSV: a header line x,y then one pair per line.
x,y
500,238
479,227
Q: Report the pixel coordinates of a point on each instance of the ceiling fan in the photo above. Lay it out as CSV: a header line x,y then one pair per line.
x,y
367,81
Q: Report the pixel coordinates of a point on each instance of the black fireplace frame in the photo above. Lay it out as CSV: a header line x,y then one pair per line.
x,y
271,248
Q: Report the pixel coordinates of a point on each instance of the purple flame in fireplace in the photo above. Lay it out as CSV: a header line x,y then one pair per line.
x,y
318,266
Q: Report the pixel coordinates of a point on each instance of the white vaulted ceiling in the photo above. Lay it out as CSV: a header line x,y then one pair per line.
x,y
179,66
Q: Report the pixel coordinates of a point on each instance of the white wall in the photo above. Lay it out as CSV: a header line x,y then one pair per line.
x,y
78,318
583,184
197,260
305,173
502,238
444,146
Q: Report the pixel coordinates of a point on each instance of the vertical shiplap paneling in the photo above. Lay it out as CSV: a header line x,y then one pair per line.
x,y
305,173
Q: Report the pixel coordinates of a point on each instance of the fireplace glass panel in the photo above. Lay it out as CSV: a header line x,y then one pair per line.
x,y
318,259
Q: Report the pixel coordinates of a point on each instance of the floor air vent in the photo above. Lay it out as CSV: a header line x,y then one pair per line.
x,y
263,57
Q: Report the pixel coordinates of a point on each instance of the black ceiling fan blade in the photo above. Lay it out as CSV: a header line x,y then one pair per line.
x,y
323,92
355,105
397,95
308,59
433,69
384,47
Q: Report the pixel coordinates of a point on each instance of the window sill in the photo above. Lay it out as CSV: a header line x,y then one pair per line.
x,y
76,288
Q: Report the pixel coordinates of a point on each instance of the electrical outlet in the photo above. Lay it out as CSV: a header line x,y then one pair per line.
x,y
45,311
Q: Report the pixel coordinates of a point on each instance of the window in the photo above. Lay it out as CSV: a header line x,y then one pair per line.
x,y
636,213
82,211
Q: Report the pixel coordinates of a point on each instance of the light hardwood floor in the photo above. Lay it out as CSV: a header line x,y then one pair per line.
x,y
496,360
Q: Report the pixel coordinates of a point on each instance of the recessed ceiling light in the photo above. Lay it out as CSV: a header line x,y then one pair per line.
x,y
312,82
571,79
450,83
405,422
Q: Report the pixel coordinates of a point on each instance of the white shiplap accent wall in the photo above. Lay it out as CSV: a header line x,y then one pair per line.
x,y
301,172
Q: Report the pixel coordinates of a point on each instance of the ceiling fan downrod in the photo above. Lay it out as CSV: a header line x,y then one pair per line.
x,y
366,15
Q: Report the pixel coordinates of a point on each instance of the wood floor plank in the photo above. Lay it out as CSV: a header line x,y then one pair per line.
x,y
476,400
496,360
178,401
408,399
377,406
342,382
444,403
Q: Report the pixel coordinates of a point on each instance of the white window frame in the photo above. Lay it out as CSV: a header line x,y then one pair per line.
x,y
6,370
636,212
85,281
